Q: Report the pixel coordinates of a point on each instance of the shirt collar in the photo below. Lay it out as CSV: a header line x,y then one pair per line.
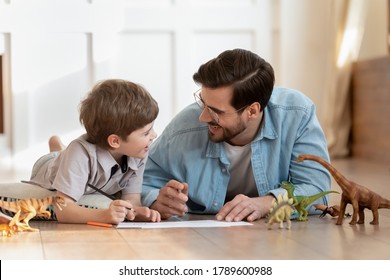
x,y
107,161
267,129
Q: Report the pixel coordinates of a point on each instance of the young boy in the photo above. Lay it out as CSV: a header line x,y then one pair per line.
x,y
118,117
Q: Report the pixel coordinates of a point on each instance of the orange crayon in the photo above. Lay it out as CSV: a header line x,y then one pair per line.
x,y
99,224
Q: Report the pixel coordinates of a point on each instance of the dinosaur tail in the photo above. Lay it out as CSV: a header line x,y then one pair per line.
x,y
384,203
338,177
318,195
8,205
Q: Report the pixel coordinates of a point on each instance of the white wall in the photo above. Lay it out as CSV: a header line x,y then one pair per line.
x,y
305,53
58,49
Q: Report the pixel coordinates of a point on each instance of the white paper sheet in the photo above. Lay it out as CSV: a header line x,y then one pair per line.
x,y
180,224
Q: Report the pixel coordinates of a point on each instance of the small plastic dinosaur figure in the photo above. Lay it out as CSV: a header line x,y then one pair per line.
x,y
333,211
26,209
358,196
301,202
6,230
281,211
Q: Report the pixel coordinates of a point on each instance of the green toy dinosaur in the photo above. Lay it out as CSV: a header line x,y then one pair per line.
x,y
301,202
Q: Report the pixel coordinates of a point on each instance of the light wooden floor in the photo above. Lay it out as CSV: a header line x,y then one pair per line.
x,y
315,239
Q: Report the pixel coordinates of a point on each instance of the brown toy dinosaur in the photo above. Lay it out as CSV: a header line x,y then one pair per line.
x,y
26,209
358,196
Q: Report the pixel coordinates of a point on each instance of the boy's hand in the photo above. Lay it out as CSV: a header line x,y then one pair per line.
x,y
119,210
145,214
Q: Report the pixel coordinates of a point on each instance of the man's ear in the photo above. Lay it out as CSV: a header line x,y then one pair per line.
x,y
113,141
254,109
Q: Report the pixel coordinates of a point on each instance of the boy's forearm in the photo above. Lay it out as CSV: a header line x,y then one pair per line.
x,y
73,213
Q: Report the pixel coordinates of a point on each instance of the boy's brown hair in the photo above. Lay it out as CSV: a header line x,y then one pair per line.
x,y
116,107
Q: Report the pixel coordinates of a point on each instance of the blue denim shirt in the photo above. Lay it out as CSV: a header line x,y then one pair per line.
x,y
184,152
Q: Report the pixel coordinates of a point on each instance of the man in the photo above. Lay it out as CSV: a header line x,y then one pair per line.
x,y
228,152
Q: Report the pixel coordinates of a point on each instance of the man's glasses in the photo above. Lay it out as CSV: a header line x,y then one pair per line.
x,y
214,115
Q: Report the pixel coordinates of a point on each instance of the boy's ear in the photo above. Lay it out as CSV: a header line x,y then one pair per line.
x,y
113,141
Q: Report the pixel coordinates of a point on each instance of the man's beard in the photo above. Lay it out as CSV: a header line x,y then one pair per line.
x,y
227,134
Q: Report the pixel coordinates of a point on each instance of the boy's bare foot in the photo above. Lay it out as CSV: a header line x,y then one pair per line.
x,y
55,144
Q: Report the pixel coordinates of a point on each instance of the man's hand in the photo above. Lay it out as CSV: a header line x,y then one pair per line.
x,y
241,207
171,200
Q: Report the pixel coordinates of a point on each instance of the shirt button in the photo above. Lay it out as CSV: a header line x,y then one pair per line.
x,y
215,203
223,170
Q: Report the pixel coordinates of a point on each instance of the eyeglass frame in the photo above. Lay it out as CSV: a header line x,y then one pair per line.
x,y
214,115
